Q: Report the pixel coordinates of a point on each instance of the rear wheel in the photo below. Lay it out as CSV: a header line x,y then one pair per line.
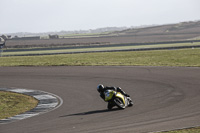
x,y
119,103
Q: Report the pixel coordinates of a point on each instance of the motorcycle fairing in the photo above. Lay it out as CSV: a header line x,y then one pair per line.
x,y
120,96
109,94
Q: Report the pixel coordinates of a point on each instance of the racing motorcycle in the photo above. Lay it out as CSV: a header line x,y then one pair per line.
x,y
117,99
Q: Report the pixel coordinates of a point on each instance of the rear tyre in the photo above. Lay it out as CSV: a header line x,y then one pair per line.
x,y
119,103
130,101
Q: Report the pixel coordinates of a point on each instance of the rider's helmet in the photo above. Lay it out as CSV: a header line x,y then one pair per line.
x,y
100,88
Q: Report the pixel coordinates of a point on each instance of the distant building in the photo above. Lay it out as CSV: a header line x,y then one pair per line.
x,y
9,36
4,37
26,38
2,42
53,36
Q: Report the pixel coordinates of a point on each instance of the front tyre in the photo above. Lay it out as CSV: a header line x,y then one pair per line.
x,y
110,105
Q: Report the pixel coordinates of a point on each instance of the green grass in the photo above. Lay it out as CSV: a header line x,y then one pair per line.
x,y
190,130
98,49
85,35
13,103
184,57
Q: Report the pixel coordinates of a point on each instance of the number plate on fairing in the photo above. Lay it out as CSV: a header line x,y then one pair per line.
x,y
109,94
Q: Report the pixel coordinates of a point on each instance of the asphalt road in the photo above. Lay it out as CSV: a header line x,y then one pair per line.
x,y
165,98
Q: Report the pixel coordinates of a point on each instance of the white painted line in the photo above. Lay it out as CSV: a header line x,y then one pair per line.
x,y
21,90
42,97
47,105
23,116
52,102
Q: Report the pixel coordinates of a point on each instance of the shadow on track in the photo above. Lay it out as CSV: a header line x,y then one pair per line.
x,y
92,112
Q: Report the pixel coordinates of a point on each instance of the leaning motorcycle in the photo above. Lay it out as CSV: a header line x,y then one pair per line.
x,y
116,99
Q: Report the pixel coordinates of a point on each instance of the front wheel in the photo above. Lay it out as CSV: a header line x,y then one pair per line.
x,y
110,105
119,103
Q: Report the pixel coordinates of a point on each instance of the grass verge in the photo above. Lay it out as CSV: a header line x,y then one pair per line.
x,y
189,130
67,49
183,57
13,103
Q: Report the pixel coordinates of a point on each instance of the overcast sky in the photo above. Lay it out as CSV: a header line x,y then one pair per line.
x,y
57,15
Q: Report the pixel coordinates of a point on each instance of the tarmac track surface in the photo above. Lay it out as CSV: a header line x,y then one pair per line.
x,y
165,98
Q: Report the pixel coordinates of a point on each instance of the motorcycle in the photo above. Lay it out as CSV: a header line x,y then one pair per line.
x,y
117,99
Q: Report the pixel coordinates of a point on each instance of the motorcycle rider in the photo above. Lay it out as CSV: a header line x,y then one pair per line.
x,y
101,89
